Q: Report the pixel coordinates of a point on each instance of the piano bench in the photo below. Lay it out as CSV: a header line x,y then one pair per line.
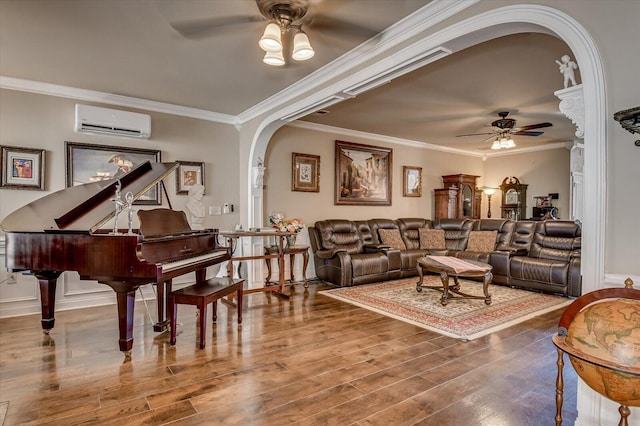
x,y
201,294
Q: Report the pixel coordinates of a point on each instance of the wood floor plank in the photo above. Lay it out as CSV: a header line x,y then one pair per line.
x,y
310,360
111,414
369,403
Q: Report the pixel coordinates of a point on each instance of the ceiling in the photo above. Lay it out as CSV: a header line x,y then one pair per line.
x,y
131,48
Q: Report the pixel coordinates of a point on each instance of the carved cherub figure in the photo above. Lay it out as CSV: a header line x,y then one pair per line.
x,y
567,67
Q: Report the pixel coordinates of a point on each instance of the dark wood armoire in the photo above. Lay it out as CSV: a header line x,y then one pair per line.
x,y
459,198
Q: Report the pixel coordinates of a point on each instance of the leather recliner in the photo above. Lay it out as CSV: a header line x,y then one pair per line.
x,y
553,261
340,256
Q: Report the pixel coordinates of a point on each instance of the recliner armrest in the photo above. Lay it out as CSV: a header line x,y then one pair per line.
x,y
328,253
517,251
437,252
371,248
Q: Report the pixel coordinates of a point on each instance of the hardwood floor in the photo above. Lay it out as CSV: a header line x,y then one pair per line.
x,y
312,360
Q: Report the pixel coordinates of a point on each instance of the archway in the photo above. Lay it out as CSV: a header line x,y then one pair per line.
x,y
503,21
498,22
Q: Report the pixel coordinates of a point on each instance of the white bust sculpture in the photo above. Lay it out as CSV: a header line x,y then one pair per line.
x,y
194,208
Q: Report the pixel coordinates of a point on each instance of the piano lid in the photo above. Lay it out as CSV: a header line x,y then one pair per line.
x,y
84,207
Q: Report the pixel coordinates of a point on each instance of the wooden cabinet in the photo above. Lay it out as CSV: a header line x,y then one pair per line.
x,y
514,198
459,198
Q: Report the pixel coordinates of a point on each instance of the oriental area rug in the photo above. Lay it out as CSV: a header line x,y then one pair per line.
x,y
464,319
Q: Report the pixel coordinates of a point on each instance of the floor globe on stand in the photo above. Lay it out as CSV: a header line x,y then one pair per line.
x,y
600,332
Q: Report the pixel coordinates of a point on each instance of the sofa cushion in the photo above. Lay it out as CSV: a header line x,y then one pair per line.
x,y
482,241
432,239
392,238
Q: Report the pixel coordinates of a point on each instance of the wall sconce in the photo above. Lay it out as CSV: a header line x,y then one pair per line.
x,y
489,192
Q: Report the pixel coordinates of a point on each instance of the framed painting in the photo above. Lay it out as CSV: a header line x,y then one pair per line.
x,y
363,174
305,172
22,168
189,173
87,163
412,181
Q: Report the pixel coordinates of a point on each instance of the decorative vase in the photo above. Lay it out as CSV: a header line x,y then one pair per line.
x,y
291,241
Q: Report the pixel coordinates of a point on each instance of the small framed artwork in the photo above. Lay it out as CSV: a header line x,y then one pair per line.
x,y
88,163
363,174
412,182
22,168
543,201
189,173
305,172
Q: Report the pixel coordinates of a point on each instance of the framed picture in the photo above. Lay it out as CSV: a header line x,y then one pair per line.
x,y
189,173
412,182
305,172
87,163
22,168
543,201
363,174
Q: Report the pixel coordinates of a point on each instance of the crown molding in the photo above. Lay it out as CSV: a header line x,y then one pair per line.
x,y
422,145
111,99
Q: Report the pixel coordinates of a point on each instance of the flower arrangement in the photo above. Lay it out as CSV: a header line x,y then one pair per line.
x,y
279,222
291,225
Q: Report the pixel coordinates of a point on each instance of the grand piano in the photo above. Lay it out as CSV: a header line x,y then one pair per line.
x,y
63,232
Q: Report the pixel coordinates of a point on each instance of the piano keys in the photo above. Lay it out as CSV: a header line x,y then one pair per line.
x,y
61,232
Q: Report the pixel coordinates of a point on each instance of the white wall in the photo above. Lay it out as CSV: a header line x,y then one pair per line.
x,y
46,122
311,206
543,171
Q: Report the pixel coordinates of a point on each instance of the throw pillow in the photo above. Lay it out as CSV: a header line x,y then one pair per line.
x,y
392,238
432,239
483,241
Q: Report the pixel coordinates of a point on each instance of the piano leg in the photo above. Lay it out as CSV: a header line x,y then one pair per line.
x,y
126,304
47,281
164,288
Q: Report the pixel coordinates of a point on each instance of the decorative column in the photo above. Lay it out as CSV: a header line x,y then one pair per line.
x,y
572,105
576,205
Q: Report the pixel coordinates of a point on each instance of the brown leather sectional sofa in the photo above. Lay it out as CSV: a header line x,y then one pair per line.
x,y
542,256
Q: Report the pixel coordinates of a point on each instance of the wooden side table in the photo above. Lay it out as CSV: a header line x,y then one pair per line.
x,y
291,251
277,254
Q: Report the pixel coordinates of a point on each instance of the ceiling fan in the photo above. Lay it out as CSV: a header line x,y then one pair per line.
x,y
284,17
505,127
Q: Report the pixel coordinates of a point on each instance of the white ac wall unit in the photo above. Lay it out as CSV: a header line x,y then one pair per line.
x,y
106,121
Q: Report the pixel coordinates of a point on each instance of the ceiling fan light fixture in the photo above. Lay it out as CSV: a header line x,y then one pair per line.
x,y
302,49
271,40
503,143
275,59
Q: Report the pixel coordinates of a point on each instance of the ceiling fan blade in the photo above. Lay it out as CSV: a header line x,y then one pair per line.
x,y
527,133
476,134
533,126
338,27
199,28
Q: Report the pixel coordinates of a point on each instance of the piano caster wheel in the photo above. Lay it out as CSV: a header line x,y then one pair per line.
x,y
127,356
46,332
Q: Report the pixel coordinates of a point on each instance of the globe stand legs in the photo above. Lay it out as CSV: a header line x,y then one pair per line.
x,y
624,414
559,388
